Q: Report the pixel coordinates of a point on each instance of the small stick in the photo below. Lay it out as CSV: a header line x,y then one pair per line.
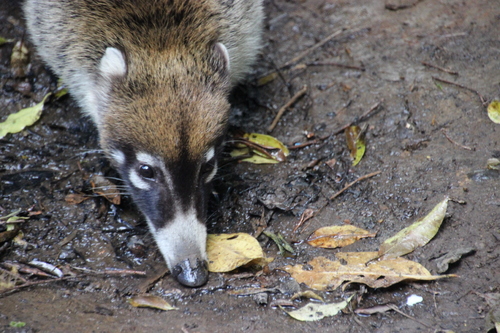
x,y
110,271
336,64
34,283
312,48
309,213
295,97
354,182
395,308
440,68
364,115
483,101
454,142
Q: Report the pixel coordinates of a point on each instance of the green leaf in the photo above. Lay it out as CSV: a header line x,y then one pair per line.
x,y
315,311
280,241
16,122
416,235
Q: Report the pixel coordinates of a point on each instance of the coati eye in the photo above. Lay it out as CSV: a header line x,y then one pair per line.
x,y
146,171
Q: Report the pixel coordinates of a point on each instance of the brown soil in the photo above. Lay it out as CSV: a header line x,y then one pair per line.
x,y
406,141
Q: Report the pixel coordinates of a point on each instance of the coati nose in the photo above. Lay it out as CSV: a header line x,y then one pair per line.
x,y
191,272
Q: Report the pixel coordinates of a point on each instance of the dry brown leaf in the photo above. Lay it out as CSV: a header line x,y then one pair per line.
x,y
105,188
150,301
337,236
329,275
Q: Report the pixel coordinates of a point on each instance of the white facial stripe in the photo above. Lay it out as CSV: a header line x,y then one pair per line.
x,y
147,159
210,154
138,182
181,237
212,174
153,161
118,156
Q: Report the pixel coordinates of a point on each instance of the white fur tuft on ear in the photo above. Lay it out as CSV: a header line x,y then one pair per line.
x,y
225,54
113,63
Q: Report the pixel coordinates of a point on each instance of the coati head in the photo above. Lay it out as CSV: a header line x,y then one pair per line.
x,y
162,121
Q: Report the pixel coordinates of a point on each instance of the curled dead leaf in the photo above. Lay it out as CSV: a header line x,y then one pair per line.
x,y
337,236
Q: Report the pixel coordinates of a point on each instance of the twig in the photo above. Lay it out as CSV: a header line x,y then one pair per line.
x,y
309,213
354,182
34,283
363,116
483,101
110,271
454,142
439,68
312,48
336,64
395,308
295,97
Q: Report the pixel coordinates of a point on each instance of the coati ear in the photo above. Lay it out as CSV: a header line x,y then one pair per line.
x,y
220,59
113,64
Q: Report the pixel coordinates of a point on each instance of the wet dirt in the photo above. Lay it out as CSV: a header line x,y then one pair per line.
x,y
429,139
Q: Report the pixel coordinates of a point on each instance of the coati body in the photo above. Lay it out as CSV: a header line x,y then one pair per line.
x,y
154,76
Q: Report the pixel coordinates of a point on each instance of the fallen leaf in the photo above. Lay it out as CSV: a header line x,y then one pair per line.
x,y
229,251
416,235
337,236
105,188
263,80
280,241
252,291
19,59
16,122
451,257
359,267
150,301
315,311
262,148
493,164
75,198
356,143
374,309
307,294
494,111
47,268
4,40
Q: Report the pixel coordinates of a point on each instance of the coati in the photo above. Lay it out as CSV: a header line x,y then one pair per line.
x,y
154,76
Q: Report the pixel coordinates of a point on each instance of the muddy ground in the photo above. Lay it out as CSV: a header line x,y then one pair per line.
x,y
406,141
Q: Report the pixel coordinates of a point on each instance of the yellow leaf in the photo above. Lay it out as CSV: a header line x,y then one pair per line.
x,y
264,149
150,301
263,80
494,111
315,311
16,122
358,267
337,236
416,235
356,143
229,251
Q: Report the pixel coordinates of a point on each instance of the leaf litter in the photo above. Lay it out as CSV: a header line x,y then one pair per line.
x,y
416,235
359,267
337,236
227,252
